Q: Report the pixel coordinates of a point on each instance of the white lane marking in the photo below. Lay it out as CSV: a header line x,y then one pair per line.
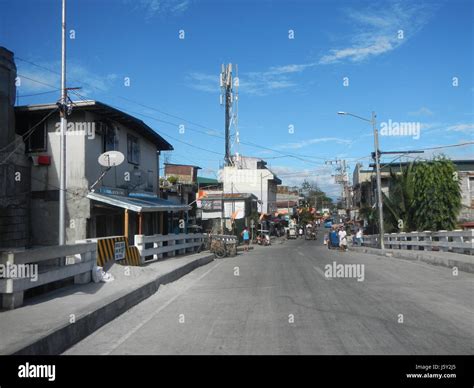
x,y
320,271
141,324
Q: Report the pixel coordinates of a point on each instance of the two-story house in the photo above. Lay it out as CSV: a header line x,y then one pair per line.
x,y
125,202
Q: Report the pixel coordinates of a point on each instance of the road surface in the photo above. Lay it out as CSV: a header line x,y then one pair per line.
x,y
277,300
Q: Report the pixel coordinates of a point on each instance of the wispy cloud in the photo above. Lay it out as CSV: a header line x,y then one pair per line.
x,y
45,77
308,142
323,176
376,30
259,83
423,111
464,127
163,7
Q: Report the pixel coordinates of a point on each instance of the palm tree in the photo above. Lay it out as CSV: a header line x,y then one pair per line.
x,y
398,205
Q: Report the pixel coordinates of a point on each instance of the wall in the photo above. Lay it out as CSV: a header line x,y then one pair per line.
x,y
14,165
253,181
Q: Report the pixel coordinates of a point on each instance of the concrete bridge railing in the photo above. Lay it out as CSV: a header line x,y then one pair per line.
x,y
158,246
456,241
23,270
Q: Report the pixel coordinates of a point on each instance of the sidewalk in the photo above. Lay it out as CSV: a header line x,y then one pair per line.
x,y
51,323
446,259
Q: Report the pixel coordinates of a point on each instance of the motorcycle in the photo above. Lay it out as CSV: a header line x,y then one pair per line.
x,y
263,239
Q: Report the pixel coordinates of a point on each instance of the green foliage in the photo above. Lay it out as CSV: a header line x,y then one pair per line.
x,y
172,179
313,195
398,206
370,214
437,195
305,216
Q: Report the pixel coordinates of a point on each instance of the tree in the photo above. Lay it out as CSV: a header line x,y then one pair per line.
x,y
305,216
313,195
437,195
398,205
369,214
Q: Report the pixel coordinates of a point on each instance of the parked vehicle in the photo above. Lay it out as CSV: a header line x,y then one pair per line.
x,y
264,238
310,234
291,232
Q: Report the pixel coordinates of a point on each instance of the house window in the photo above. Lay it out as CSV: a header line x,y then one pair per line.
x,y
110,139
133,150
37,141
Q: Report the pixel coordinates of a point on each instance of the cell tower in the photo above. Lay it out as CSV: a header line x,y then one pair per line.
x,y
229,98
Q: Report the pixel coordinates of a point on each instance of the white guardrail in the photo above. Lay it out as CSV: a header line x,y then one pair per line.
x,y
158,246
456,241
22,270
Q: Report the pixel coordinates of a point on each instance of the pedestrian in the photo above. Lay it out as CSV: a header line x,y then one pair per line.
x,y
342,239
358,237
246,236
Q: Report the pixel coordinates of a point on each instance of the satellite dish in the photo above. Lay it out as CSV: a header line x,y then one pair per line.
x,y
111,159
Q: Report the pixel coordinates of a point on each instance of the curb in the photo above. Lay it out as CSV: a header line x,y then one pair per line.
x,y
465,265
68,335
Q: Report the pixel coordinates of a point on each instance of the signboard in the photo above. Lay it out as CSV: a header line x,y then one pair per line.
x,y
119,250
209,204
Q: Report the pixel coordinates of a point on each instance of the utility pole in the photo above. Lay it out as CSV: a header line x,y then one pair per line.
x,y
379,180
62,153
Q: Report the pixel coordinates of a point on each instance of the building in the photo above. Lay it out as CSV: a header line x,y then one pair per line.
x,y
214,205
287,200
15,171
124,202
180,187
251,175
183,173
364,186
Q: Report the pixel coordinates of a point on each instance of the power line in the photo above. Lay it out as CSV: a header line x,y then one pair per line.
x,y
292,155
24,138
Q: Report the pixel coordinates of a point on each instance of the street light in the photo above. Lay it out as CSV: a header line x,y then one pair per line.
x,y
377,171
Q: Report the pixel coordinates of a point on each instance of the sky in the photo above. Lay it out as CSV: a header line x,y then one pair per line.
x,y
299,63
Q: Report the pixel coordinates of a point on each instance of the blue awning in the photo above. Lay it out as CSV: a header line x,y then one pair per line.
x,y
139,204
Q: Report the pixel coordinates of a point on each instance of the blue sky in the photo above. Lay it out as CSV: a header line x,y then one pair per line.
x,y
400,58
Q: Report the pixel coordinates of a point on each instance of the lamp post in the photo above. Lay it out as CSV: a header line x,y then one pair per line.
x,y
377,172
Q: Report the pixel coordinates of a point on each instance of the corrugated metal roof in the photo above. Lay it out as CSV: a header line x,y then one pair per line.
x,y
138,204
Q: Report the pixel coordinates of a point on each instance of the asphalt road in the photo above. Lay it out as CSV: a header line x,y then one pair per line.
x,y
277,300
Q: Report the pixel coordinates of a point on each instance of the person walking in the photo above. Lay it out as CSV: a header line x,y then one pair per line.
x,y
246,236
342,239
358,237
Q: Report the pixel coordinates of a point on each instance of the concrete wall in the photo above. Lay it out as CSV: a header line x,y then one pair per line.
x,y
14,165
253,181
467,199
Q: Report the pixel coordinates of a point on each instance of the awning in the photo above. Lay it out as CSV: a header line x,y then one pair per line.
x,y
138,204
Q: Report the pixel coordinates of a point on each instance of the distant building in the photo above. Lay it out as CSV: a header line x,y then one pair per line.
x,y
184,173
251,175
215,205
180,187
